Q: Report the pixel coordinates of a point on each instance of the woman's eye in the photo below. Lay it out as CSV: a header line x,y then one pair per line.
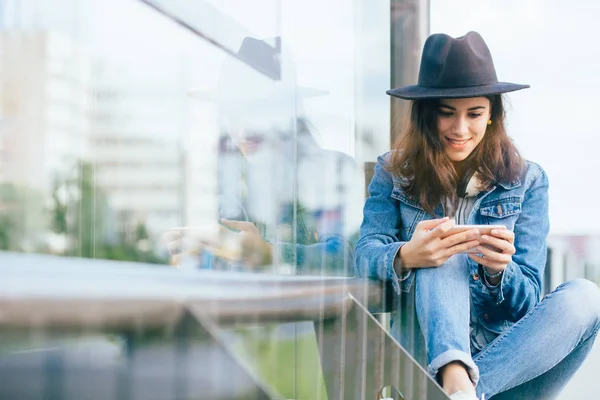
x,y
475,115
445,113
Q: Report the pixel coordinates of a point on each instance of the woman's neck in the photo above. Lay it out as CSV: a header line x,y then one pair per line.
x,y
459,167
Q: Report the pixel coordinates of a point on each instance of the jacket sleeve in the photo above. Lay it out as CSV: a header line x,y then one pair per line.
x,y
521,284
379,240
333,255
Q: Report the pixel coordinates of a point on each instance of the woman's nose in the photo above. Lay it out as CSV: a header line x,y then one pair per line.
x,y
461,126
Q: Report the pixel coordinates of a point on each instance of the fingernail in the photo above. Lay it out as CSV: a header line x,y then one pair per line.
x,y
485,237
479,248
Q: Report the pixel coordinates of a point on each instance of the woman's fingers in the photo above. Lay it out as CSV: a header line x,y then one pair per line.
x,y
505,234
183,239
494,254
243,226
488,262
461,237
441,229
462,247
430,224
491,258
504,245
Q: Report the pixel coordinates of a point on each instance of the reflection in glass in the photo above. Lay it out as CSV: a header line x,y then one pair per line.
x,y
225,23
124,158
274,179
125,135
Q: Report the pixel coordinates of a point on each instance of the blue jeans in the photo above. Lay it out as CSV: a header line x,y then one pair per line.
x,y
533,358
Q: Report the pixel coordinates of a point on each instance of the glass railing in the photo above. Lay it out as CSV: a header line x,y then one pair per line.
x,y
129,129
74,328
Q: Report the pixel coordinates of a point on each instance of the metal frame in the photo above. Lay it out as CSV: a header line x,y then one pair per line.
x,y
180,16
174,332
360,358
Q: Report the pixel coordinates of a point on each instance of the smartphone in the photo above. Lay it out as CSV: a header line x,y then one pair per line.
x,y
483,230
227,227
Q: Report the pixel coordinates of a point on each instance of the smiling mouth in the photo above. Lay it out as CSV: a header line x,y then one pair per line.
x,y
457,143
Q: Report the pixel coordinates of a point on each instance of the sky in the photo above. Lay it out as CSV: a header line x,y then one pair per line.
x,y
548,44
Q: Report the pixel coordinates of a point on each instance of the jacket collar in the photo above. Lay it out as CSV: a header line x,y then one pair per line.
x,y
510,185
474,185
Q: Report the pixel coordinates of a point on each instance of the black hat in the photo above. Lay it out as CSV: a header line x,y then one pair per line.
x,y
240,83
454,68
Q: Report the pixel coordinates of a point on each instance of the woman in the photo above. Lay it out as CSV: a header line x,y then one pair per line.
x,y
273,178
477,316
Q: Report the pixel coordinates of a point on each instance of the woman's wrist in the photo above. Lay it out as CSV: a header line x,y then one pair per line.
x,y
492,277
492,273
403,263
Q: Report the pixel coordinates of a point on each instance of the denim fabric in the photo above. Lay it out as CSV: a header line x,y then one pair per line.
x,y
333,255
436,290
536,357
436,306
390,218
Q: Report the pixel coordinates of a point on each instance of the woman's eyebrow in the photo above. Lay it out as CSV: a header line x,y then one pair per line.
x,y
454,109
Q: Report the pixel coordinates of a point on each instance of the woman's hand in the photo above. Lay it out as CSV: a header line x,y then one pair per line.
x,y
255,251
497,259
240,243
427,249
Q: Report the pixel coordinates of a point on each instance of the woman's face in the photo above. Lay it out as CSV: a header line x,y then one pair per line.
x,y
461,125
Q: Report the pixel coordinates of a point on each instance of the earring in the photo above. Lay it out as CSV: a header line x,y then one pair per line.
x,y
489,121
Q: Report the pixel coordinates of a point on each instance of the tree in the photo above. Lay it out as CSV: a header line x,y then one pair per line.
x,y
21,218
81,212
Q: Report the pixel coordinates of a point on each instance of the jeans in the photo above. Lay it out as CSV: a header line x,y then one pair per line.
x,y
533,358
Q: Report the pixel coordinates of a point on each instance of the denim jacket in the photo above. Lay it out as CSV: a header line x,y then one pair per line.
x,y
390,218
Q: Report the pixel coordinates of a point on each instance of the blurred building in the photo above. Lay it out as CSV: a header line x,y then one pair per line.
x,y
137,143
141,177
573,256
151,147
201,198
45,107
154,151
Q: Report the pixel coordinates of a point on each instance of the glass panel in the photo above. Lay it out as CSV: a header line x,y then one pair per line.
x,y
226,23
286,356
130,129
108,143
127,148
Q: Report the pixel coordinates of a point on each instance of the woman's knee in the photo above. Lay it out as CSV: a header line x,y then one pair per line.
x,y
581,302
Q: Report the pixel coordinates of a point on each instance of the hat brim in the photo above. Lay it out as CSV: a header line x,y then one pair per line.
x,y
416,92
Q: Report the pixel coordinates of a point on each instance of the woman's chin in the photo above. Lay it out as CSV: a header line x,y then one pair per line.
x,y
458,156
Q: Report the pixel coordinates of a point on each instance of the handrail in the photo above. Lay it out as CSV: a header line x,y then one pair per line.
x,y
60,291
358,358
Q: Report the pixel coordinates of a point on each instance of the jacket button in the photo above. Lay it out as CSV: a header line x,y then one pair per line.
x,y
476,276
486,317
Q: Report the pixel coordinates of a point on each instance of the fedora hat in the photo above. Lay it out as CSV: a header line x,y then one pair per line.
x,y
261,74
454,68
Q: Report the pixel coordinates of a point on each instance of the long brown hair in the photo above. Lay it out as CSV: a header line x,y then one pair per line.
x,y
428,175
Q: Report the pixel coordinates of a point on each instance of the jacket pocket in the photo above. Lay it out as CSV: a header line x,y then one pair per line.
x,y
502,211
